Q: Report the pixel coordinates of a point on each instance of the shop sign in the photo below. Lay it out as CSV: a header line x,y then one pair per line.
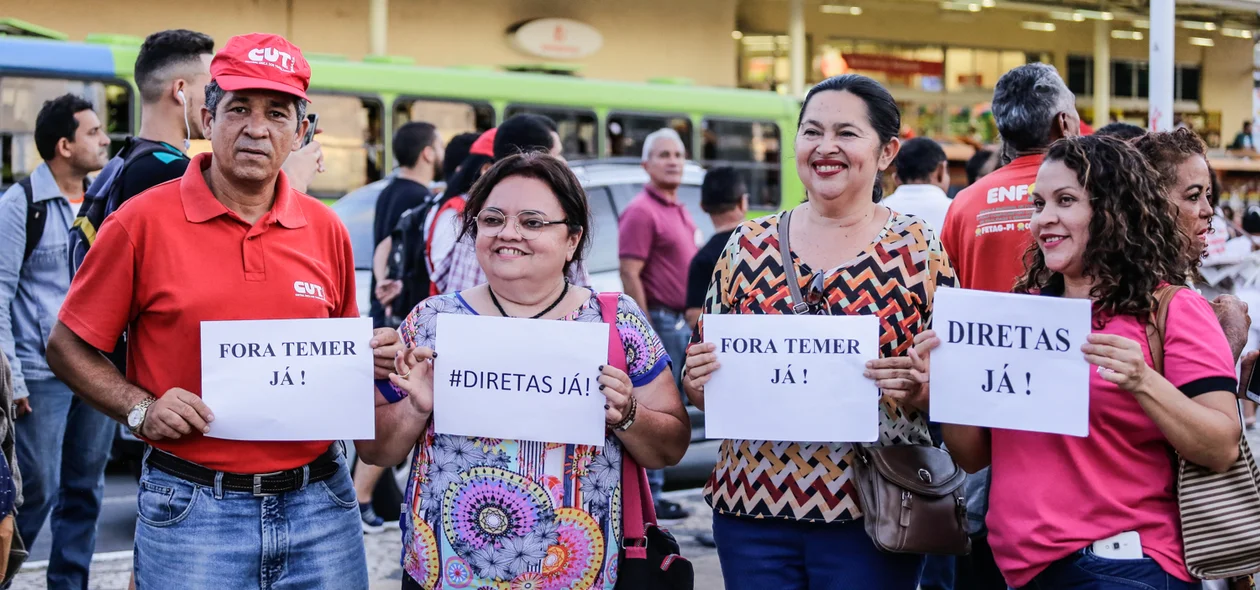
x,y
556,38
893,65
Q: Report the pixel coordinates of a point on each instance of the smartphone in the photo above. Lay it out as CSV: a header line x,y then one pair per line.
x,y
313,119
1126,545
1246,384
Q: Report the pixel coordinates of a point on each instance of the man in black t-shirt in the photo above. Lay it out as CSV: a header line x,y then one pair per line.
x,y
418,150
724,196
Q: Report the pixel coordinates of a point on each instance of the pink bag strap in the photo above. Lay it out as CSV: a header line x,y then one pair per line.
x,y
637,508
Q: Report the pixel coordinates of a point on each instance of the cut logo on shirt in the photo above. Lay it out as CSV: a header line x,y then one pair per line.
x,y
308,290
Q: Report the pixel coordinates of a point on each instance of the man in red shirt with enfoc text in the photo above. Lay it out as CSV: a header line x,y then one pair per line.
x,y
986,228
229,240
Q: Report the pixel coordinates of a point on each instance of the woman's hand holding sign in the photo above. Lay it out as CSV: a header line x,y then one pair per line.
x,y
618,393
904,378
701,363
413,374
1120,361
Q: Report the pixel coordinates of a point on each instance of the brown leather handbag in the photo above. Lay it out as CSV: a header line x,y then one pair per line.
x,y
911,498
911,495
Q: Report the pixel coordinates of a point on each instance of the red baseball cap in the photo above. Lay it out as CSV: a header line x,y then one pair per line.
x,y
261,61
484,146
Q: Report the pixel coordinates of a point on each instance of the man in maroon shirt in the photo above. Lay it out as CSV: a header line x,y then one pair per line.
x,y
657,241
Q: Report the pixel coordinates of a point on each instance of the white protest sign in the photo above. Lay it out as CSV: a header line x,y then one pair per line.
x,y
519,379
792,378
1011,361
295,380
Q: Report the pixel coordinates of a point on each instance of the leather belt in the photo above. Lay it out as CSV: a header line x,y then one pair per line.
x,y
258,484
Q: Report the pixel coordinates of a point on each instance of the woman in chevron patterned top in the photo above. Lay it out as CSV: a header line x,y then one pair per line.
x,y
786,514
1099,512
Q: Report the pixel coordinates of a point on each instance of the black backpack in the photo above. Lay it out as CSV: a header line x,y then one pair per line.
x,y
407,258
103,197
36,216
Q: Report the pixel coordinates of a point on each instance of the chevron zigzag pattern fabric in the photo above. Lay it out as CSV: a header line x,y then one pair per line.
x,y
893,278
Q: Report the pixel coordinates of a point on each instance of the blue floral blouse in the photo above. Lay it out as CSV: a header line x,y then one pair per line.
x,y
494,513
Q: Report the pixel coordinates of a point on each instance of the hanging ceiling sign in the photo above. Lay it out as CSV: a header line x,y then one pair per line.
x,y
556,38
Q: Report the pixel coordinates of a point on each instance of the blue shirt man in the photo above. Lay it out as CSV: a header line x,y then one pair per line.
x,y
53,425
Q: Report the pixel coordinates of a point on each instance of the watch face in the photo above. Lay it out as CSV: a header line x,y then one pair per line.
x,y
133,418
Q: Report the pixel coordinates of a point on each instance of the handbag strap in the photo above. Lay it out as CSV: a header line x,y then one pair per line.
x,y
1157,324
637,509
789,266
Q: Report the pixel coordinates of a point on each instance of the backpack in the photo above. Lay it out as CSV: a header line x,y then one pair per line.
x,y
100,199
36,216
408,255
103,197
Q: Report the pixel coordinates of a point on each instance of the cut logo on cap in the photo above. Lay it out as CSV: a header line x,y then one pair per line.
x,y
269,56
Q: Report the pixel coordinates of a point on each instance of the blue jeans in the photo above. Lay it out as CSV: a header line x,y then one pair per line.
x,y
672,328
1085,571
191,537
760,554
62,448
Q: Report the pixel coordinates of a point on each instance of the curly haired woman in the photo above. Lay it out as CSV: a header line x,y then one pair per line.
x,y
1182,174
1103,231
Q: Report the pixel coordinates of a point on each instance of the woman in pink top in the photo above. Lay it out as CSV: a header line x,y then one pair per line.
x,y
1103,231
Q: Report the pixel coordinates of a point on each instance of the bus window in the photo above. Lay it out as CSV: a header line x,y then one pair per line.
x,y
450,117
751,147
351,142
627,131
578,129
20,102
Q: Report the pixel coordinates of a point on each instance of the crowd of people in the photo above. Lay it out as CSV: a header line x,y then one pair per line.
x,y
496,224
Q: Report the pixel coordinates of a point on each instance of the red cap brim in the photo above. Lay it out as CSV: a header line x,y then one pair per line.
x,y
234,83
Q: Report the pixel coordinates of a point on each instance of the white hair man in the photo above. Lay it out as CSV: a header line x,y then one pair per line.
x,y
657,240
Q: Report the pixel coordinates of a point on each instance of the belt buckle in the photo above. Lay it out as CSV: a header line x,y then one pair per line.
x,y
258,477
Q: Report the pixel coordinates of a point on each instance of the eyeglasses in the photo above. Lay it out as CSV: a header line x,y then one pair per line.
x,y
816,298
529,224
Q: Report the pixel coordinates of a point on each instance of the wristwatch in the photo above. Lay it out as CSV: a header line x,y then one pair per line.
x,y
135,418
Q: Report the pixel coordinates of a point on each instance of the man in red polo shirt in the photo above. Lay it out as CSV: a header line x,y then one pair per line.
x,y
986,229
230,240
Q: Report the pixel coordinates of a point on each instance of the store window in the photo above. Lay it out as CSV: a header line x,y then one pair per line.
x,y
627,131
979,69
751,147
764,63
1131,79
20,102
894,66
351,141
578,129
450,117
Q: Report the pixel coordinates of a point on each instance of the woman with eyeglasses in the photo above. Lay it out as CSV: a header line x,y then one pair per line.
x,y
498,513
786,514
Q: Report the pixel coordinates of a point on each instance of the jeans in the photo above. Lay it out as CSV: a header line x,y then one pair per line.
x,y
671,327
760,554
1085,571
939,572
190,536
62,447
